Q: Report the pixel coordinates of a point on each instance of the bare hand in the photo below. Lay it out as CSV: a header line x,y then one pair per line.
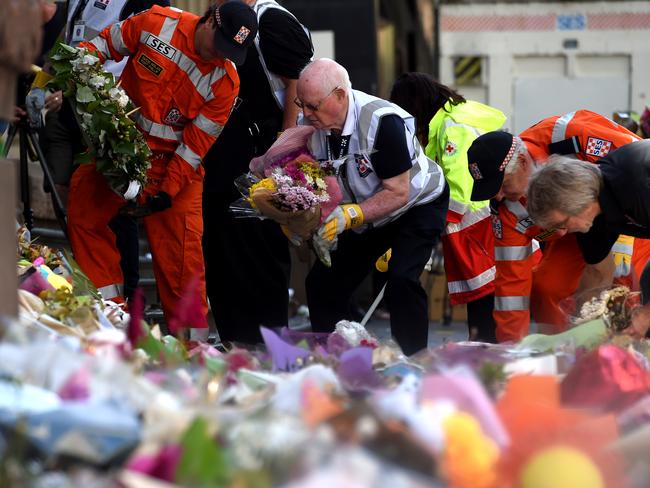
x,y
53,101
19,113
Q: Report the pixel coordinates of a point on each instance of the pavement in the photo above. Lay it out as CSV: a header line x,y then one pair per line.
x,y
380,327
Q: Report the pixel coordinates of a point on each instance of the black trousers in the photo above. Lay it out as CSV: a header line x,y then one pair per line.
x,y
480,320
411,238
247,261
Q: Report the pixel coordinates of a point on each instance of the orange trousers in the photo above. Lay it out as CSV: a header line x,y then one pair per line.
x,y
558,274
556,278
174,235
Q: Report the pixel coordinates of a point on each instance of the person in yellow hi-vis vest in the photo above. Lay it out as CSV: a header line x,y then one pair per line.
x,y
446,125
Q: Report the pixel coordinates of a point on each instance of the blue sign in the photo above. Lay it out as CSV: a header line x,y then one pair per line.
x,y
571,22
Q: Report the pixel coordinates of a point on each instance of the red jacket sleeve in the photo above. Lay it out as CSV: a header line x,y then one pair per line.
x,y
117,40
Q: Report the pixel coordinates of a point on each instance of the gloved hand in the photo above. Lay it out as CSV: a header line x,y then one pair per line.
x,y
382,263
344,217
154,203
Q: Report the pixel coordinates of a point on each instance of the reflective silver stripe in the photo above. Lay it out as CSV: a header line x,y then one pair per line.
x,y
208,126
472,284
167,30
188,155
469,219
102,46
559,129
458,207
111,291
451,123
512,253
118,40
517,208
158,130
202,83
511,304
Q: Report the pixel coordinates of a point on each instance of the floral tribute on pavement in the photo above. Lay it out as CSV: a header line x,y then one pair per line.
x,y
117,403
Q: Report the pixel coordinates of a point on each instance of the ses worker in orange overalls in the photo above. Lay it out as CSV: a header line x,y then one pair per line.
x,y
501,166
181,77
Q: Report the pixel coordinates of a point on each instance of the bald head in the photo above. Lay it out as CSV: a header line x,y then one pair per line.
x,y
324,74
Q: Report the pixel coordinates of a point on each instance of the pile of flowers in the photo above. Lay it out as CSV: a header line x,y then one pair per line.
x,y
102,108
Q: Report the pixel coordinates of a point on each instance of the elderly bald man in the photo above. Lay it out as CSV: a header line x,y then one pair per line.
x,y
394,198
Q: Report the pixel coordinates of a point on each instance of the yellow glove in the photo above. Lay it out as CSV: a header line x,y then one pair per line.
x,y
382,262
343,217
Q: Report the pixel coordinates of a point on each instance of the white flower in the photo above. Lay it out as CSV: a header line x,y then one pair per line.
x,y
119,96
123,100
87,119
90,60
97,81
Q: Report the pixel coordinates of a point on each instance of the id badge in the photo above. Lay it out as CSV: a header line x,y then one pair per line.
x,y
78,32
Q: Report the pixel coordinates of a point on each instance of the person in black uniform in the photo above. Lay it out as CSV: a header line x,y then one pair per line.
x,y
247,261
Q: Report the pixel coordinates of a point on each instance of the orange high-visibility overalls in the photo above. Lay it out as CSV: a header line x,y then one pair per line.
x,y
184,102
518,291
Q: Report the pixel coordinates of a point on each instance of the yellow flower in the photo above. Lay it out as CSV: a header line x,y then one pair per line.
x,y
266,183
469,458
312,170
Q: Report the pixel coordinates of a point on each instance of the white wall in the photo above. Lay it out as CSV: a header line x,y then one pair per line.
x,y
530,74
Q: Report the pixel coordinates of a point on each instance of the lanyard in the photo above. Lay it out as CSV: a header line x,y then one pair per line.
x,y
77,14
340,148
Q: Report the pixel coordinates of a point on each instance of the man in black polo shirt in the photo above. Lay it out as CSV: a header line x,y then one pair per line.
x,y
600,201
247,261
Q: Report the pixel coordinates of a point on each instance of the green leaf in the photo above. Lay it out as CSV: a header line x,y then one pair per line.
x,y
202,463
102,164
85,94
125,147
84,158
216,366
173,350
81,284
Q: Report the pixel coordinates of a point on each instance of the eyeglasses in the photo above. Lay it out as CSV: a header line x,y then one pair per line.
x,y
314,108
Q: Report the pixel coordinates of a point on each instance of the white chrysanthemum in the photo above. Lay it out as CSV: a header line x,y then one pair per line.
x,y
90,60
97,81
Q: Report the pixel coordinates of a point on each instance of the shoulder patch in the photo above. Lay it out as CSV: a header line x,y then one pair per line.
x,y
450,148
497,226
598,147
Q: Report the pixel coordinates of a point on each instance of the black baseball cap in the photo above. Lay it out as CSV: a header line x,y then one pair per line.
x,y
235,30
487,159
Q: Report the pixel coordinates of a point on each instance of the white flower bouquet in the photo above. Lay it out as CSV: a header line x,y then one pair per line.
x,y
102,108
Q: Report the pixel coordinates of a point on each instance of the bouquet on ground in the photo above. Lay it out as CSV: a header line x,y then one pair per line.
x,y
102,108
288,185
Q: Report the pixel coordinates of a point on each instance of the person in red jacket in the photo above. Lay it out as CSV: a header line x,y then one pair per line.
x,y
181,75
501,166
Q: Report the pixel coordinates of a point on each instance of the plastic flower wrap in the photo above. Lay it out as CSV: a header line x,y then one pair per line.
x,y
102,108
289,186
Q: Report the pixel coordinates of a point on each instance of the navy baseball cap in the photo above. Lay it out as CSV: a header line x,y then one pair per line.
x,y
235,30
487,159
